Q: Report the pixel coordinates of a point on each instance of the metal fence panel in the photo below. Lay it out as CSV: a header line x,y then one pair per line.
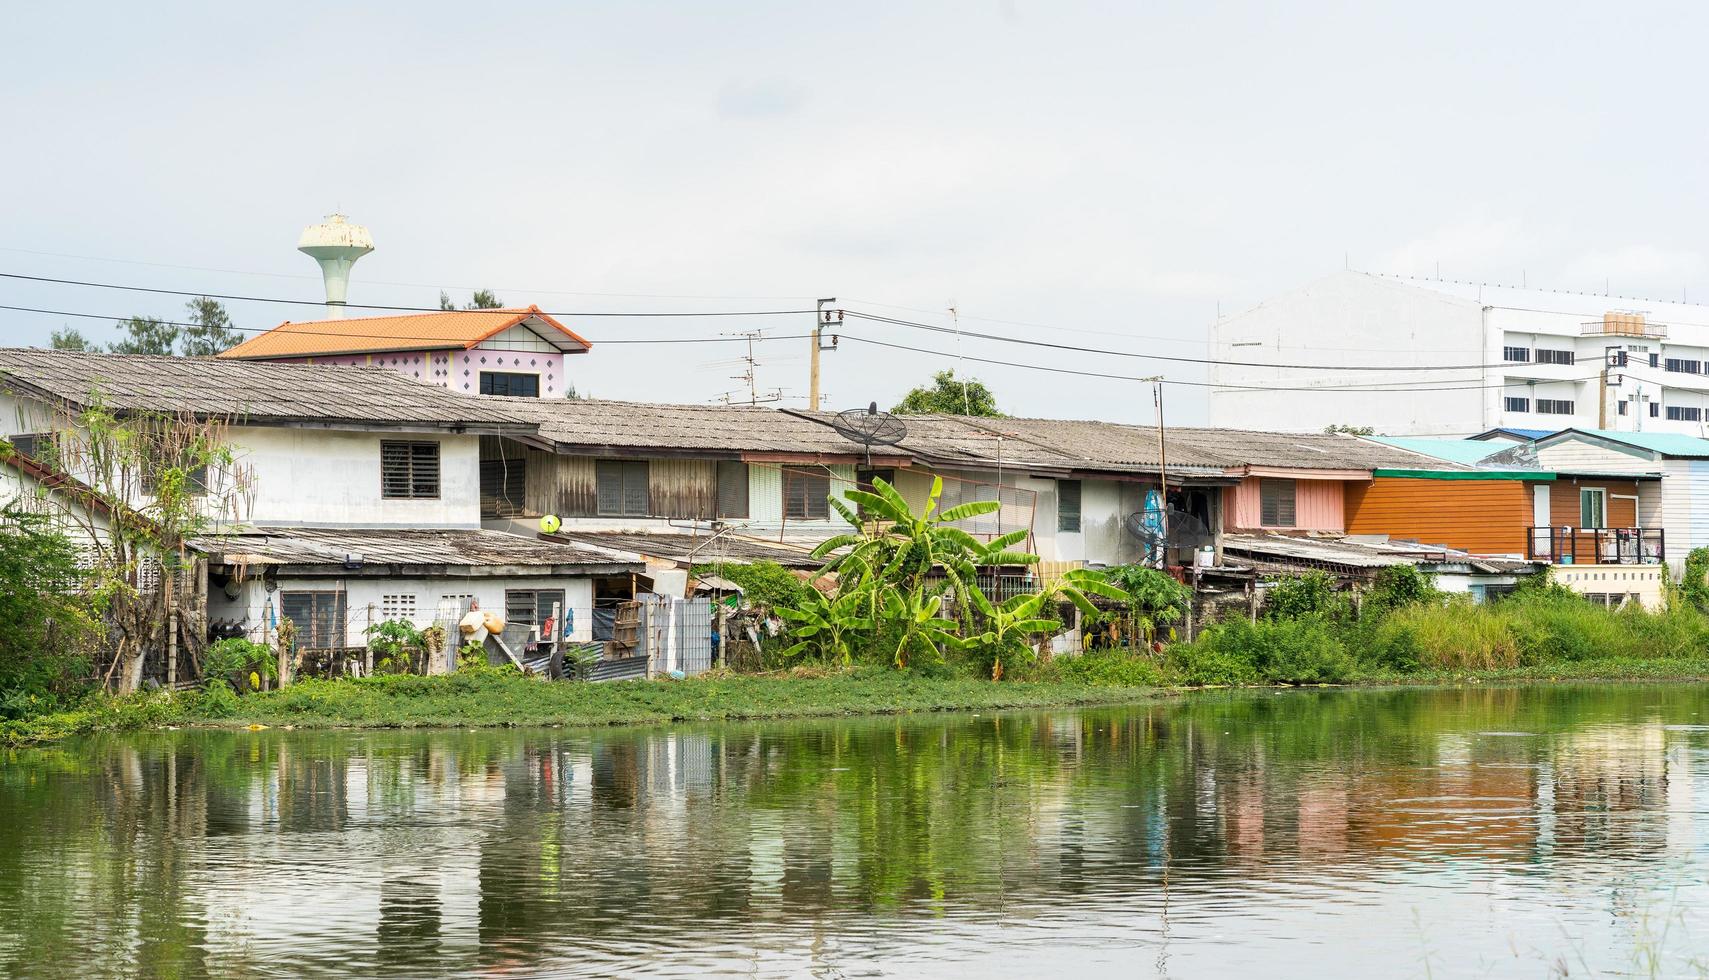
x,y
676,634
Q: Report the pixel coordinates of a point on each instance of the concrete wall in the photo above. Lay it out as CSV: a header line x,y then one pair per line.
x,y
1350,319
1644,581
254,601
318,477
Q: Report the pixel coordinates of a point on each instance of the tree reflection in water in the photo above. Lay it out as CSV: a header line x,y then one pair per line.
x,y
1036,841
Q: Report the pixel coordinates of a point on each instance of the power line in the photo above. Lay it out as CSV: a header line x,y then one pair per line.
x,y
1169,357
389,336
366,306
1351,389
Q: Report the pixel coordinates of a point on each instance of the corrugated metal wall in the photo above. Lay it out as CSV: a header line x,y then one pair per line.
x,y
562,485
1685,508
683,488
1481,516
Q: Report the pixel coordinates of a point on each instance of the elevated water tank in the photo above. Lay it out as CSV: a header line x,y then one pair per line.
x,y
335,244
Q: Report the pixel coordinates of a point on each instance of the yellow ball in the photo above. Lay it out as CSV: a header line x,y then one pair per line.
x,y
550,524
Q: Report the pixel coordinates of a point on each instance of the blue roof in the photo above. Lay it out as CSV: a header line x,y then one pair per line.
x,y
1665,443
1468,451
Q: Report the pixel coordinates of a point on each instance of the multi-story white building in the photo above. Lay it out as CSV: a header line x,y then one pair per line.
x,y
1430,357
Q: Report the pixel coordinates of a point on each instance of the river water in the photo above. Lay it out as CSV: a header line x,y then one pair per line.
x,y
1547,831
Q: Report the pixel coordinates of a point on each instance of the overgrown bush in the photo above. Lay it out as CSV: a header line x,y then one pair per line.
x,y
1301,596
1399,587
238,663
47,623
396,644
1458,636
1302,651
1108,668
765,584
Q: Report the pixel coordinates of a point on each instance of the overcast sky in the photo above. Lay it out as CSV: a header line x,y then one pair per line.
x,y
1104,174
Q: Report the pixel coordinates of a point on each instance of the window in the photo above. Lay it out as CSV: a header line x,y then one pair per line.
x,y
1681,366
409,470
1655,360
1513,404
35,445
620,487
1592,503
318,616
1275,503
732,488
397,606
1518,355
1554,406
805,493
504,485
1655,410
1682,413
1068,506
864,478
531,607
510,384
1620,406
1545,356
451,610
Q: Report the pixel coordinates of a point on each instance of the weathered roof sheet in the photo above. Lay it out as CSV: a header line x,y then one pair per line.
x,y
697,549
247,392
1061,443
573,422
1274,551
459,547
1303,450
440,330
1677,445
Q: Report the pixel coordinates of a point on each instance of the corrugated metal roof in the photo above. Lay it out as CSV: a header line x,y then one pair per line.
x,y
246,391
1489,434
1359,552
1302,450
697,549
1468,451
454,329
1667,443
458,547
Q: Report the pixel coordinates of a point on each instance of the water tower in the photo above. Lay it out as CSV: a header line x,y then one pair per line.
x,y
336,244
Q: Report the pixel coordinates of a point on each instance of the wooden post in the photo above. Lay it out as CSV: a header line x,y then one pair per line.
x,y
1252,599
172,650
367,651
723,637
557,631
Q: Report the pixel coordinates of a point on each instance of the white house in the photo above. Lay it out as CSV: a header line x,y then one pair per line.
x,y
1430,357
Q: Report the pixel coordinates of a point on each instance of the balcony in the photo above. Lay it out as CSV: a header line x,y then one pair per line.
x,y
1595,545
1624,325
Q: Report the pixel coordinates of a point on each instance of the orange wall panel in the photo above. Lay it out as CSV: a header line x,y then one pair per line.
x,y
1317,506
1486,517
1563,501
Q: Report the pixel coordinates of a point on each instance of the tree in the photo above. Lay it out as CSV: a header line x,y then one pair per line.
x,y
1350,430
949,396
70,338
210,330
145,335
482,299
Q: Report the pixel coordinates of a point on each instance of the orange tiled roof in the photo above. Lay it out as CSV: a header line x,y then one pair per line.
x,y
450,329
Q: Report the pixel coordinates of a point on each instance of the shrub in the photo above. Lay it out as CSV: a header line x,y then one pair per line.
x,y
1694,585
1299,596
1458,636
217,701
1398,587
231,661
1109,668
1302,651
765,584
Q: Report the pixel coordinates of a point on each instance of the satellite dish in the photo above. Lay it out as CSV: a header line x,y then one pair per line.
x,y
869,427
1184,531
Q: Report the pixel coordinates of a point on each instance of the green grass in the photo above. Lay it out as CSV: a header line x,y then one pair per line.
x,y
502,699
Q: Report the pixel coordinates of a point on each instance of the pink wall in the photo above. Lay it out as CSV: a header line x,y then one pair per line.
x,y
460,370
1317,506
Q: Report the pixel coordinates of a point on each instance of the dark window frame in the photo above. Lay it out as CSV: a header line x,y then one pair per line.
x,y
1553,406
1070,516
1551,355
1684,413
419,478
1516,403
491,381
1278,502
1683,365
326,627
630,496
531,607
504,486
1516,355
806,493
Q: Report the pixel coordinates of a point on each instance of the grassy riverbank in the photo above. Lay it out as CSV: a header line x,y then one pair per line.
x,y
501,699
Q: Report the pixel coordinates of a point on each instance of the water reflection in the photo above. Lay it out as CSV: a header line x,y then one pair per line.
x,y
1414,831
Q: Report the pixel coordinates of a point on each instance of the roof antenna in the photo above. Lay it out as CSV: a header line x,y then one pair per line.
x,y
966,398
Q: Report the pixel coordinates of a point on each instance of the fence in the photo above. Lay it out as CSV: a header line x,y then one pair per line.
x,y
676,633
1598,546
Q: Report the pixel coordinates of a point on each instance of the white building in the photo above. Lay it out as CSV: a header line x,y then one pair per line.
x,y
1470,357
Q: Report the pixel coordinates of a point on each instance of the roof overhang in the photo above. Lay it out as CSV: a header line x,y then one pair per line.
x,y
1302,473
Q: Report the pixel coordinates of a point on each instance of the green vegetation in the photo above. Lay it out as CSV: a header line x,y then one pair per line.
x,y
945,395
765,584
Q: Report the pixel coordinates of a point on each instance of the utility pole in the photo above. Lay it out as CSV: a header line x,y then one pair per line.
x,y
825,317
1162,474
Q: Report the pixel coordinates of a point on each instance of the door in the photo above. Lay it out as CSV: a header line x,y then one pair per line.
x,y
1541,535
1539,505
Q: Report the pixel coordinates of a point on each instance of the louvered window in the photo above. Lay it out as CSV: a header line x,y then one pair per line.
x,y
531,607
621,487
732,488
318,616
806,493
504,485
1068,506
1276,503
409,470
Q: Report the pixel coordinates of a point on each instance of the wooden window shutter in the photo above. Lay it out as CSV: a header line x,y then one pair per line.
x,y
732,488
1068,506
1276,503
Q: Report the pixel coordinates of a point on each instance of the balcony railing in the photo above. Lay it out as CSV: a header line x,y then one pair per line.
x,y
1596,545
1626,327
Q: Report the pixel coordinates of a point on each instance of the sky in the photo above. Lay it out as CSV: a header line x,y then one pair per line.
x,y
1107,175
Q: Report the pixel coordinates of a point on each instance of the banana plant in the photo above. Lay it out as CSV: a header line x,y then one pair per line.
x,y
825,625
1009,625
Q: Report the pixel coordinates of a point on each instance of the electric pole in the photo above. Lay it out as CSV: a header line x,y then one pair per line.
x,y
825,317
